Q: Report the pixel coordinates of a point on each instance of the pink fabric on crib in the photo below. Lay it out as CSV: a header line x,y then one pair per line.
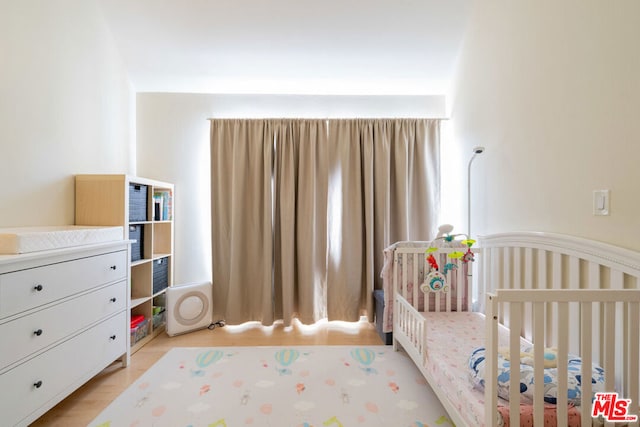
x,y
387,286
550,416
451,337
388,271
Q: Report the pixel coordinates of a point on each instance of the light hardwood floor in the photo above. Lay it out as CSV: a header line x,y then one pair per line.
x,y
81,407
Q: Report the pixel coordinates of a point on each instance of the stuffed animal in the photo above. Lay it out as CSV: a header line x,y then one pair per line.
x,y
444,229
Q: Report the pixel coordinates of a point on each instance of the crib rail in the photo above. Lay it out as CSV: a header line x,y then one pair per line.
x,y
410,333
528,260
411,325
620,310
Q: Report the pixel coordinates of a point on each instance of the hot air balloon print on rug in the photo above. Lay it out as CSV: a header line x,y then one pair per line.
x,y
205,359
285,358
365,357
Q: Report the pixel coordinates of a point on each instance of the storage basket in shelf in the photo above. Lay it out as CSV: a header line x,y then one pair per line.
x,y
160,274
136,232
139,331
137,202
159,319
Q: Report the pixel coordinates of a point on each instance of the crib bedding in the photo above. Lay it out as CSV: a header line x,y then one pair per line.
x,y
387,284
527,386
451,338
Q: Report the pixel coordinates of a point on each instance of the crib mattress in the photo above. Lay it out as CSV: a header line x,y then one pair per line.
x,y
19,240
451,337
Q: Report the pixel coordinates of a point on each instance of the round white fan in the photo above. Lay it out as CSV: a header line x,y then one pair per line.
x,y
188,307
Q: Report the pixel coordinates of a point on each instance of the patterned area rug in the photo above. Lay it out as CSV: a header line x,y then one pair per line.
x,y
310,386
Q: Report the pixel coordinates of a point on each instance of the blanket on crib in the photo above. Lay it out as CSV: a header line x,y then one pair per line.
x,y
477,367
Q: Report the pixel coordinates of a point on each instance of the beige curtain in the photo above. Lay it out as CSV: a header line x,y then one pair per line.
x,y
241,212
300,220
388,175
343,190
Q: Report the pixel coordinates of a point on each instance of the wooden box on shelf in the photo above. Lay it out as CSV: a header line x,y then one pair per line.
x,y
144,207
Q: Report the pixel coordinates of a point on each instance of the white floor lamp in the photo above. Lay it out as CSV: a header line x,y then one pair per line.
x,y
476,150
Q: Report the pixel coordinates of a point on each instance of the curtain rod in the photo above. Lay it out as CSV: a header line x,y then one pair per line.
x,y
325,118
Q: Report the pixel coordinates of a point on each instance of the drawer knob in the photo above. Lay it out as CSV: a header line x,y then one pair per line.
x,y
113,267
112,337
113,299
37,384
37,332
38,288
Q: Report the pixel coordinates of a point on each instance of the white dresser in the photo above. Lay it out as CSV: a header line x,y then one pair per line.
x,y
63,319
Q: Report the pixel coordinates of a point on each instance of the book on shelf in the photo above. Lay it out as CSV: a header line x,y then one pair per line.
x,y
163,205
157,207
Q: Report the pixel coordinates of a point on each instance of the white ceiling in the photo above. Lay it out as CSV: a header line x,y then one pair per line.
x,y
339,47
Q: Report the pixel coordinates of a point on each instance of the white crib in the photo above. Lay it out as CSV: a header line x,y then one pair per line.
x,y
579,296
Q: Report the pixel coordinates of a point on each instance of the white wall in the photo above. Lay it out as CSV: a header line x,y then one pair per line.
x,y
173,145
552,90
65,107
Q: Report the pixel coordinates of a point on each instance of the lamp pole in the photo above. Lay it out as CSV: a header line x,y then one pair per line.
x,y
476,150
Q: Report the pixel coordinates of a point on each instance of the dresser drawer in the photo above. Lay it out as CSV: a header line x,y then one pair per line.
x,y
38,384
31,288
31,333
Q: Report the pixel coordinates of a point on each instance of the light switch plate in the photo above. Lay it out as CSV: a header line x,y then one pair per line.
x,y
601,202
